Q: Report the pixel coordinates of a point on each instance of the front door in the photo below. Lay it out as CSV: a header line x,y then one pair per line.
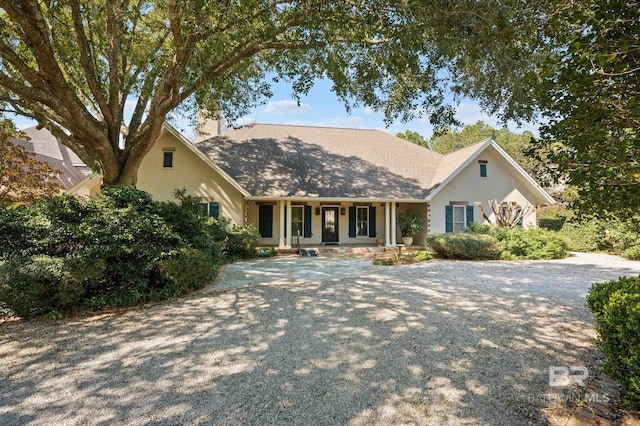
x,y
329,224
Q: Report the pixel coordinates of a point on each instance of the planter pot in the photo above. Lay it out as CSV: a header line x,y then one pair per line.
x,y
379,242
407,241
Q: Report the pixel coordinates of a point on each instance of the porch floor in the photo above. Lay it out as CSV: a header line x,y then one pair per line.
x,y
351,250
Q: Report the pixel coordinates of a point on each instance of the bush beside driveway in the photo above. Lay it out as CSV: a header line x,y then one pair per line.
x,y
316,341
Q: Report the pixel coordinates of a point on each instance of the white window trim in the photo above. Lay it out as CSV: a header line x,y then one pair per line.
x,y
301,207
464,217
360,221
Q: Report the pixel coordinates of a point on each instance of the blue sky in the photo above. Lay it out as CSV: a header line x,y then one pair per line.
x,y
322,108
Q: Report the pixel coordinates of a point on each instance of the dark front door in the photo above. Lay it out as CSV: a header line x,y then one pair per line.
x,y
329,224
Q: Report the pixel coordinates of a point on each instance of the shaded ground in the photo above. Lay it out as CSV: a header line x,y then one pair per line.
x,y
316,341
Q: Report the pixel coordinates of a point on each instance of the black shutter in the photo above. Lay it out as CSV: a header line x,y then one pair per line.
x,y
265,221
307,222
372,222
352,222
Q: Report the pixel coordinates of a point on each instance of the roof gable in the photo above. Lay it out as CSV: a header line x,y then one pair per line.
x,y
457,161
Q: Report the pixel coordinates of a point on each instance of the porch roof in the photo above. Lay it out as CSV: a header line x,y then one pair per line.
x,y
318,162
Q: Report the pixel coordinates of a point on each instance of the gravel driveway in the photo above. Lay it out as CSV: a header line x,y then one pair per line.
x,y
316,341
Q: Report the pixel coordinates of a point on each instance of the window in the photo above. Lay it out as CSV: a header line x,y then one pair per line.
x,y
459,220
458,215
297,221
483,170
167,159
362,221
211,209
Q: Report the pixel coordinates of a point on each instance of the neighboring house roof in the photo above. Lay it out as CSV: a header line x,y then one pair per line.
x,y
301,161
48,150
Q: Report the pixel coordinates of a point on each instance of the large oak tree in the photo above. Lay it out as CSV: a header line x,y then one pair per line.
x,y
76,66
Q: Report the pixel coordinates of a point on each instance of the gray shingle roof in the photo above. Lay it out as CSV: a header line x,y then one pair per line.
x,y
47,149
300,161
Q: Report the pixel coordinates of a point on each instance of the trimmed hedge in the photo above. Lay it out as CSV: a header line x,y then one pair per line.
x,y
616,307
463,245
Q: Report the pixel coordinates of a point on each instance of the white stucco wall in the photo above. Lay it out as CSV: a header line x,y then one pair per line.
x,y
502,183
191,172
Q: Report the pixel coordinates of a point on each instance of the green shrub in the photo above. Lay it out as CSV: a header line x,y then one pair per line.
x,y
632,253
242,242
533,243
482,228
36,285
551,223
552,217
463,245
616,307
188,269
585,237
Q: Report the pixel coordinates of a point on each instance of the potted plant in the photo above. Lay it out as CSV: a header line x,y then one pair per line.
x,y
379,241
410,224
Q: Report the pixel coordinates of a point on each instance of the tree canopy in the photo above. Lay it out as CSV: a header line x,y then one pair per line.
x,y
592,104
23,178
103,76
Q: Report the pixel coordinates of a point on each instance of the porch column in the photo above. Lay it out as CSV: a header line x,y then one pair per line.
x,y
288,225
394,237
282,243
387,225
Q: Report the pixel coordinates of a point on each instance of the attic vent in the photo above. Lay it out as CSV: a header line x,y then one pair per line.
x,y
482,161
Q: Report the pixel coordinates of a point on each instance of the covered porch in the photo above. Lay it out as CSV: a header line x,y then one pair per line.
x,y
284,223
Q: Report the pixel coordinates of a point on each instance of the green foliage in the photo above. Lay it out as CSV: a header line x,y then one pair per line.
x,y
188,269
39,284
404,258
395,57
552,217
518,243
551,223
592,106
616,307
414,137
241,242
533,243
462,245
410,224
611,235
632,253
117,249
586,236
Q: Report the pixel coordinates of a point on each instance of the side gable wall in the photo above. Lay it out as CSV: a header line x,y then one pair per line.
x,y
191,172
502,183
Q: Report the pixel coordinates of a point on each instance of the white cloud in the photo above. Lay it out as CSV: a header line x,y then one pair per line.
x,y
471,114
285,107
370,111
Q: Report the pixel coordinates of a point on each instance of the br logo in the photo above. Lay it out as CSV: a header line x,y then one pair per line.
x,y
560,375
